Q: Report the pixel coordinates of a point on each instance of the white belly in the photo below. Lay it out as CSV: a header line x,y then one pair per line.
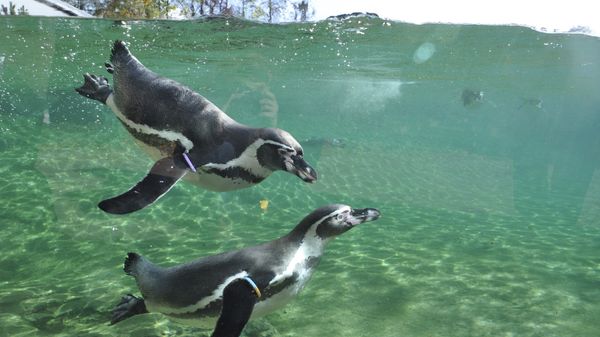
x,y
215,182
274,302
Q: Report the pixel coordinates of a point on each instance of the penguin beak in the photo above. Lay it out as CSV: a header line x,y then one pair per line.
x,y
364,215
304,171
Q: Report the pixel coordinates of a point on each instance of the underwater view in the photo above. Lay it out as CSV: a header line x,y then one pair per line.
x,y
479,145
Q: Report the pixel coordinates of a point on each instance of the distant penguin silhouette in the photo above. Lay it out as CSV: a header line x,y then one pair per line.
x,y
242,284
187,134
471,97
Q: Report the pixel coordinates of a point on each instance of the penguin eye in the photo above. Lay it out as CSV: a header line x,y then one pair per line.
x,y
340,217
284,151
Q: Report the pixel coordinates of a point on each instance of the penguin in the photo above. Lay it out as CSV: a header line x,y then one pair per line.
x,y
186,135
235,286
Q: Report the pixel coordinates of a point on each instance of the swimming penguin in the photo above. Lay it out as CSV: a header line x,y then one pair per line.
x,y
184,132
238,285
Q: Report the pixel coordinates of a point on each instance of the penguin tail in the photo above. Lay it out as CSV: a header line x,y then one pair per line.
x,y
130,266
119,52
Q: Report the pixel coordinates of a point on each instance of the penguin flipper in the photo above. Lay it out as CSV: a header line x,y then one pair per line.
x,y
129,306
162,176
238,302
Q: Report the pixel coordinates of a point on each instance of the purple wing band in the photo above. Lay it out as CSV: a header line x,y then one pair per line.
x,y
189,162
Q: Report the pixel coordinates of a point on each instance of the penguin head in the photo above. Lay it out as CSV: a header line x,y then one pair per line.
x,y
281,151
333,220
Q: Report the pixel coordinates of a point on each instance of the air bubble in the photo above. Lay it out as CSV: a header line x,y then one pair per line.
x,y
424,52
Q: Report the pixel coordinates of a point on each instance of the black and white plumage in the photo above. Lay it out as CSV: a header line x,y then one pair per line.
x,y
202,290
175,125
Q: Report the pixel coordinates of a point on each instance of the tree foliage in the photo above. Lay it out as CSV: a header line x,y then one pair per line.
x,y
12,9
262,10
301,11
138,9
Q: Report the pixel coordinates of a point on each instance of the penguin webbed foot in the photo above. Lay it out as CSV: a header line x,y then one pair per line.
x,y
129,306
95,87
109,67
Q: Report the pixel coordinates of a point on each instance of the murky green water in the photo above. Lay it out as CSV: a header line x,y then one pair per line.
x,y
491,210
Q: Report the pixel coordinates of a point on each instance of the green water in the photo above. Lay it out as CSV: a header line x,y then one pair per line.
x,y
491,211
